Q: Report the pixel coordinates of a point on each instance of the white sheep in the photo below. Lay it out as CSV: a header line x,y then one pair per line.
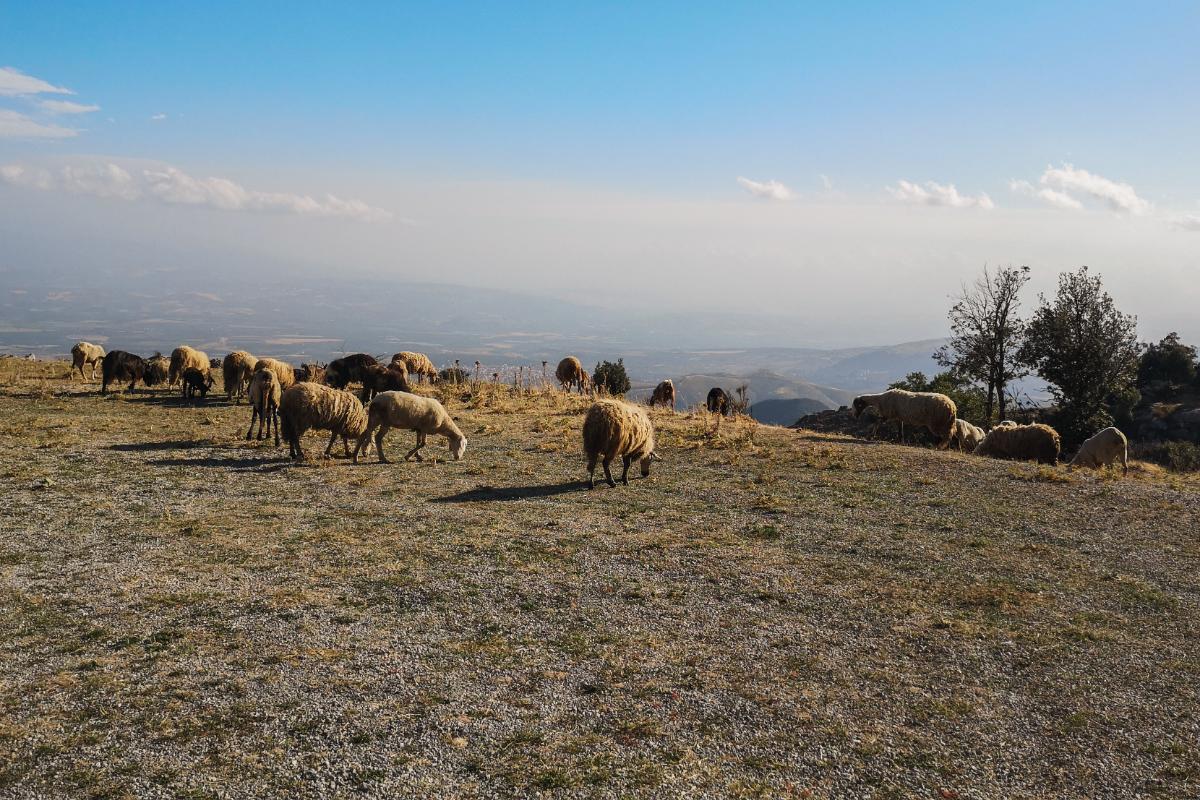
x,y
1106,447
284,372
615,429
966,435
86,354
412,412
931,410
265,394
314,406
417,364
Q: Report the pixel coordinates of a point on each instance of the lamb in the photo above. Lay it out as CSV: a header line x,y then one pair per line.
x,y
1106,447
412,412
183,357
417,364
664,394
314,406
376,379
931,410
341,372
157,368
121,366
1021,443
237,370
570,373
283,372
196,382
264,401
718,401
966,435
86,354
614,429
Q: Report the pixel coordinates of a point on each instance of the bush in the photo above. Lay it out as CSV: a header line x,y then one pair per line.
x,y
454,375
611,378
1170,361
1175,456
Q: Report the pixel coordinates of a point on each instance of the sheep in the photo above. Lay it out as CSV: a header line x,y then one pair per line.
x,y
570,373
343,371
417,364
966,435
86,354
412,412
314,406
1006,423
121,366
236,371
376,379
313,373
664,394
1106,447
282,371
183,357
196,382
718,401
614,429
931,410
1021,443
264,401
157,369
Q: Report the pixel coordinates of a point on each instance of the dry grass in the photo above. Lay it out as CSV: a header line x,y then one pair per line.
x,y
772,613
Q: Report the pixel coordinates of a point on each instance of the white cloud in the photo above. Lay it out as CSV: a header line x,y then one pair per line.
x,y
171,185
159,117
14,125
1185,222
65,107
826,183
935,194
1045,194
770,190
14,83
1119,196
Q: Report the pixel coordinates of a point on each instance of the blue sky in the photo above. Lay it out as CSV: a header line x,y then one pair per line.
x,y
401,106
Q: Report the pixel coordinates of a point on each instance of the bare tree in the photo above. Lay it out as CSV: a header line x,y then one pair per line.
x,y
986,333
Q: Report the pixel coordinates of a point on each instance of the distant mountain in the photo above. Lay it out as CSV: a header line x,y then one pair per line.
x,y
785,412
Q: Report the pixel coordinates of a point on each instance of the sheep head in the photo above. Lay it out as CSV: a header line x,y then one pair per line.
x,y
457,448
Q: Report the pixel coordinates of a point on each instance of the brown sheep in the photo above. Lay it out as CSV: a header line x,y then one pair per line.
x,y
196,382
283,372
931,410
183,357
664,394
315,406
236,371
570,374
376,379
1037,442
265,394
615,429
157,368
417,364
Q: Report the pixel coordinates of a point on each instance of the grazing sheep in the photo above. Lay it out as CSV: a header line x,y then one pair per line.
x,y
1106,447
157,368
313,373
931,410
183,357
346,370
376,379
411,412
570,373
1021,443
718,401
966,435
283,372
1006,423
264,393
196,382
417,364
614,429
86,354
314,406
664,394
236,370
121,366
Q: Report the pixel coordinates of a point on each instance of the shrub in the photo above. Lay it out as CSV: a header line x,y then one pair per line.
x,y
1175,456
611,378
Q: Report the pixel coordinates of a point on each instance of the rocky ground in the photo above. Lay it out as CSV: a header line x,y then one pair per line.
x,y
773,612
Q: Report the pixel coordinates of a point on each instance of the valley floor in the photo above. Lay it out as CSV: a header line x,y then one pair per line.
x,y
771,613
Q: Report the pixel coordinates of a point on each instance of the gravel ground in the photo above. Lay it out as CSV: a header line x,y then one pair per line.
x,y
772,613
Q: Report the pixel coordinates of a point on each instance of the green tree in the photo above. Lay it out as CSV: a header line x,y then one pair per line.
x,y
986,334
1170,361
1086,349
612,378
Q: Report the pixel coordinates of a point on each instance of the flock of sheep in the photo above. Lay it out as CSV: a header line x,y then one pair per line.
x,y
290,401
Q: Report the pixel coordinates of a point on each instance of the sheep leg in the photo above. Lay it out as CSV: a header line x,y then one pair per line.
x,y
275,418
250,430
592,472
329,447
416,451
607,474
379,443
625,469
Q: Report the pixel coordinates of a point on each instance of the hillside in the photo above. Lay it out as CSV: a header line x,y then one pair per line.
x,y
692,390
771,613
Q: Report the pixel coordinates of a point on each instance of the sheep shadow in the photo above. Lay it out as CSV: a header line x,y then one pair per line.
x,y
485,494
177,444
840,439
173,399
225,462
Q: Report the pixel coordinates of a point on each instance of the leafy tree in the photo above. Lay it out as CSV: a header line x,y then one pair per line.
x,y
986,334
612,378
1170,361
970,399
1086,349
